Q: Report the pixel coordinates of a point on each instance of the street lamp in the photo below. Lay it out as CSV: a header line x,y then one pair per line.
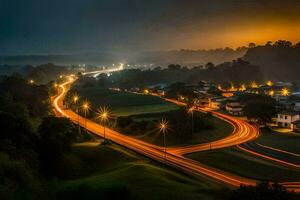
x,y
163,128
271,93
191,111
31,81
75,100
103,114
285,92
85,107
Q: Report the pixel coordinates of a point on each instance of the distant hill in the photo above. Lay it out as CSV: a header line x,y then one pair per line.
x,y
92,59
189,57
278,61
162,58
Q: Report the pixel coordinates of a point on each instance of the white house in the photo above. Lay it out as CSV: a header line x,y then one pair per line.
x,y
286,118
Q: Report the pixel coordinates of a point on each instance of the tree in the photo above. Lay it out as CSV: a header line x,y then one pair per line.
x,y
283,43
262,191
251,45
259,108
56,137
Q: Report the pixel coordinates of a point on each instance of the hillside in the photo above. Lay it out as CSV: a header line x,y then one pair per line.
x,y
280,61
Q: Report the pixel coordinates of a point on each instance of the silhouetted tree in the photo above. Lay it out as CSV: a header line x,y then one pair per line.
x,y
262,191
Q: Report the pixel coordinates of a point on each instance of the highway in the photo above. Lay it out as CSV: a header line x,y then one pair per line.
x,y
243,132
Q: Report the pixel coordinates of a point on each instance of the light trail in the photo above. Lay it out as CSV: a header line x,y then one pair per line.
x,y
243,132
97,73
289,164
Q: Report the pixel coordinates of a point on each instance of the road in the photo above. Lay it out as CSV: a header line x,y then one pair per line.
x,y
242,133
174,157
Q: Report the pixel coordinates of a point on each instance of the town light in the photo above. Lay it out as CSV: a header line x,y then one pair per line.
x,y
285,92
242,88
269,83
271,92
146,91
31,81
254,85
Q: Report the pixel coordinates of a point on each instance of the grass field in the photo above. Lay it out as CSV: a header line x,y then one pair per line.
x,y
241,163
115,173
220,130
284,141
123,103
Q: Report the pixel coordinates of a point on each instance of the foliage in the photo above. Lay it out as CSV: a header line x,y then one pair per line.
x,y
34,97
56,137
262,191
17,179
260,108
278,61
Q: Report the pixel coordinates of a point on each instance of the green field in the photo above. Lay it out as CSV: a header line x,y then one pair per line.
x,y
220,130
241,163
284,141
111,172
124,103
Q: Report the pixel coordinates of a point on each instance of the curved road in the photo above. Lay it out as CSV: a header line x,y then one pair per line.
x,y
243,132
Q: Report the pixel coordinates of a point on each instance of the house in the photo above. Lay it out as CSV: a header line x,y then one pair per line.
x,y
234,108
286,118
203,102
296,126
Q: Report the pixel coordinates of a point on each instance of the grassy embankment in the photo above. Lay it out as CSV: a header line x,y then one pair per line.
x,y
285,141
110,172
244,164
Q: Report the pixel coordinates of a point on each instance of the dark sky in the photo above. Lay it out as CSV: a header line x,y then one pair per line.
x,y
82,26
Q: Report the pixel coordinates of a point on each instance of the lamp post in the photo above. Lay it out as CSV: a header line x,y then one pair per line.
x,y
191,111
285,92
75,100
163,128
85,107
103,114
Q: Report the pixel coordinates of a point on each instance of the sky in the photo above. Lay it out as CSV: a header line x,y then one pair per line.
x,y
85,26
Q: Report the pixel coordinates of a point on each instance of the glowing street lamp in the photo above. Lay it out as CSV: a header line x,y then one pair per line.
x,y
191,111
75,100
85,107
163,128
31,81
285,92
242,88
103,114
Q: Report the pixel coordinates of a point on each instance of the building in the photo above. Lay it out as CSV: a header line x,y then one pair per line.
x,y
286,118
234,108
296,126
